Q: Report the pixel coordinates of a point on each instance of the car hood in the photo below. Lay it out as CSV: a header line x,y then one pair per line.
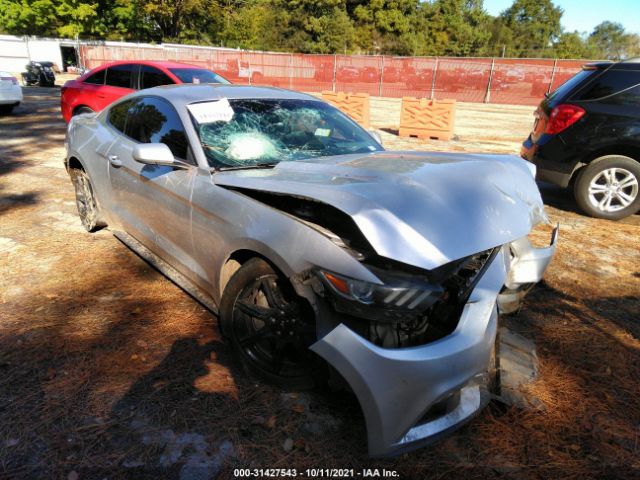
x,y
423,209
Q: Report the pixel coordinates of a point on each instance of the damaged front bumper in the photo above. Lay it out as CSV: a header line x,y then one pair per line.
x,y
413,396
528,264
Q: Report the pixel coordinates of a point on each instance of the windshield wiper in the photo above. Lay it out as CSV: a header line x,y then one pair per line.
x,y
247,167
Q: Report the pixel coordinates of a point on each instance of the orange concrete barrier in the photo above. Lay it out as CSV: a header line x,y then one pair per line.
x,y
356,105
425,118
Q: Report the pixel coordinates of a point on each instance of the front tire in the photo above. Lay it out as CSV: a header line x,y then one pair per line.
x,y
269,327
609,187
86,201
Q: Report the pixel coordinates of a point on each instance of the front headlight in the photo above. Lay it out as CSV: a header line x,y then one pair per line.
x,y
398,298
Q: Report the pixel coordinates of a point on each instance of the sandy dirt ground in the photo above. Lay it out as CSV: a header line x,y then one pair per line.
x,y
108,370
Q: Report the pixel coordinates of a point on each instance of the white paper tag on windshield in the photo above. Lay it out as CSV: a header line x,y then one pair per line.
x,y
322,132
208,112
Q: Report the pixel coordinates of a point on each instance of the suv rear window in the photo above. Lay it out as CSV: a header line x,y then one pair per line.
x,y
564,89
629,97
120,76
609,83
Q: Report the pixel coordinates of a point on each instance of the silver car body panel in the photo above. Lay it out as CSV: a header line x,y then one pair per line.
x,y
445,185
421,209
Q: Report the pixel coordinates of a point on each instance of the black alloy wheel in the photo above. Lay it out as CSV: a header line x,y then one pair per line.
x,y
269,327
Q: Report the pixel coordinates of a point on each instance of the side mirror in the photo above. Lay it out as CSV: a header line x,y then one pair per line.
x,y
376,136
153,154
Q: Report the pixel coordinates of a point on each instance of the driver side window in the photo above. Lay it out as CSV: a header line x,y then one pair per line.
x,y
154,120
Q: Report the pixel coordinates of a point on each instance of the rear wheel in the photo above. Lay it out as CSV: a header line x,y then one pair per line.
x,y
85,200
609,187
269,327
6,109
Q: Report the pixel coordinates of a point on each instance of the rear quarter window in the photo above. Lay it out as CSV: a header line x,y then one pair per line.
x,y
96,78
611,83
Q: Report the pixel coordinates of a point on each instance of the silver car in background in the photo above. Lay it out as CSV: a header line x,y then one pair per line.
x,y
318,248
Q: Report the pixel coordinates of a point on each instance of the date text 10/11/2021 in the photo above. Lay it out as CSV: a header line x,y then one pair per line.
x,y
314,473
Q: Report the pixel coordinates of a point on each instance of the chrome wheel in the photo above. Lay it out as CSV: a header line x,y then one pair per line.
x,y
613,189
85,201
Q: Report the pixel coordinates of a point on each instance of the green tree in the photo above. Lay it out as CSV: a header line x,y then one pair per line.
x,y
316,26
384,26
258,25
528,28
65,18
610,41
18,17
455,27
571,45
78,18
179,19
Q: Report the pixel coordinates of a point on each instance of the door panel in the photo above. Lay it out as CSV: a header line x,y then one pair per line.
x,y
154,201
120,81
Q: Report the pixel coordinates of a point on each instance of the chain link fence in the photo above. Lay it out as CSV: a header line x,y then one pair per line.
x,y
513,81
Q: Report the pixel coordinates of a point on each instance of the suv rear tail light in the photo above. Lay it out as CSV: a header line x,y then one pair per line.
x,y
562,117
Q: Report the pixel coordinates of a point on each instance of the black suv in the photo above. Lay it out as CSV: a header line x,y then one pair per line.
x,y
587,135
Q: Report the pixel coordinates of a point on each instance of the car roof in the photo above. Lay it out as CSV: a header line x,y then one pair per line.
x,y
185,94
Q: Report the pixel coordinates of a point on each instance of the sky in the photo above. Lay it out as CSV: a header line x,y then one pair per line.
x,y
583,15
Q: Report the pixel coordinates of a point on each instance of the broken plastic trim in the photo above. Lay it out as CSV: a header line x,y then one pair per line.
x,y
527,266
396,387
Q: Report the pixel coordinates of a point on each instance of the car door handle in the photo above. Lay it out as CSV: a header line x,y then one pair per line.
x,y
115,161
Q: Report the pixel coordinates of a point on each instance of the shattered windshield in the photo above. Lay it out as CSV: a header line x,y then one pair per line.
x,y
244,133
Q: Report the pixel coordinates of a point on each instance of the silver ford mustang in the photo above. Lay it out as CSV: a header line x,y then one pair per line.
x,y
325,256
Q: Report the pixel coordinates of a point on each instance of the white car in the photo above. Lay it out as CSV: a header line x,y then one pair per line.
x,y
10,92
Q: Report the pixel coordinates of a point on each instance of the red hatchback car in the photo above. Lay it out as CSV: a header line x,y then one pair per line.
x,y
103,85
